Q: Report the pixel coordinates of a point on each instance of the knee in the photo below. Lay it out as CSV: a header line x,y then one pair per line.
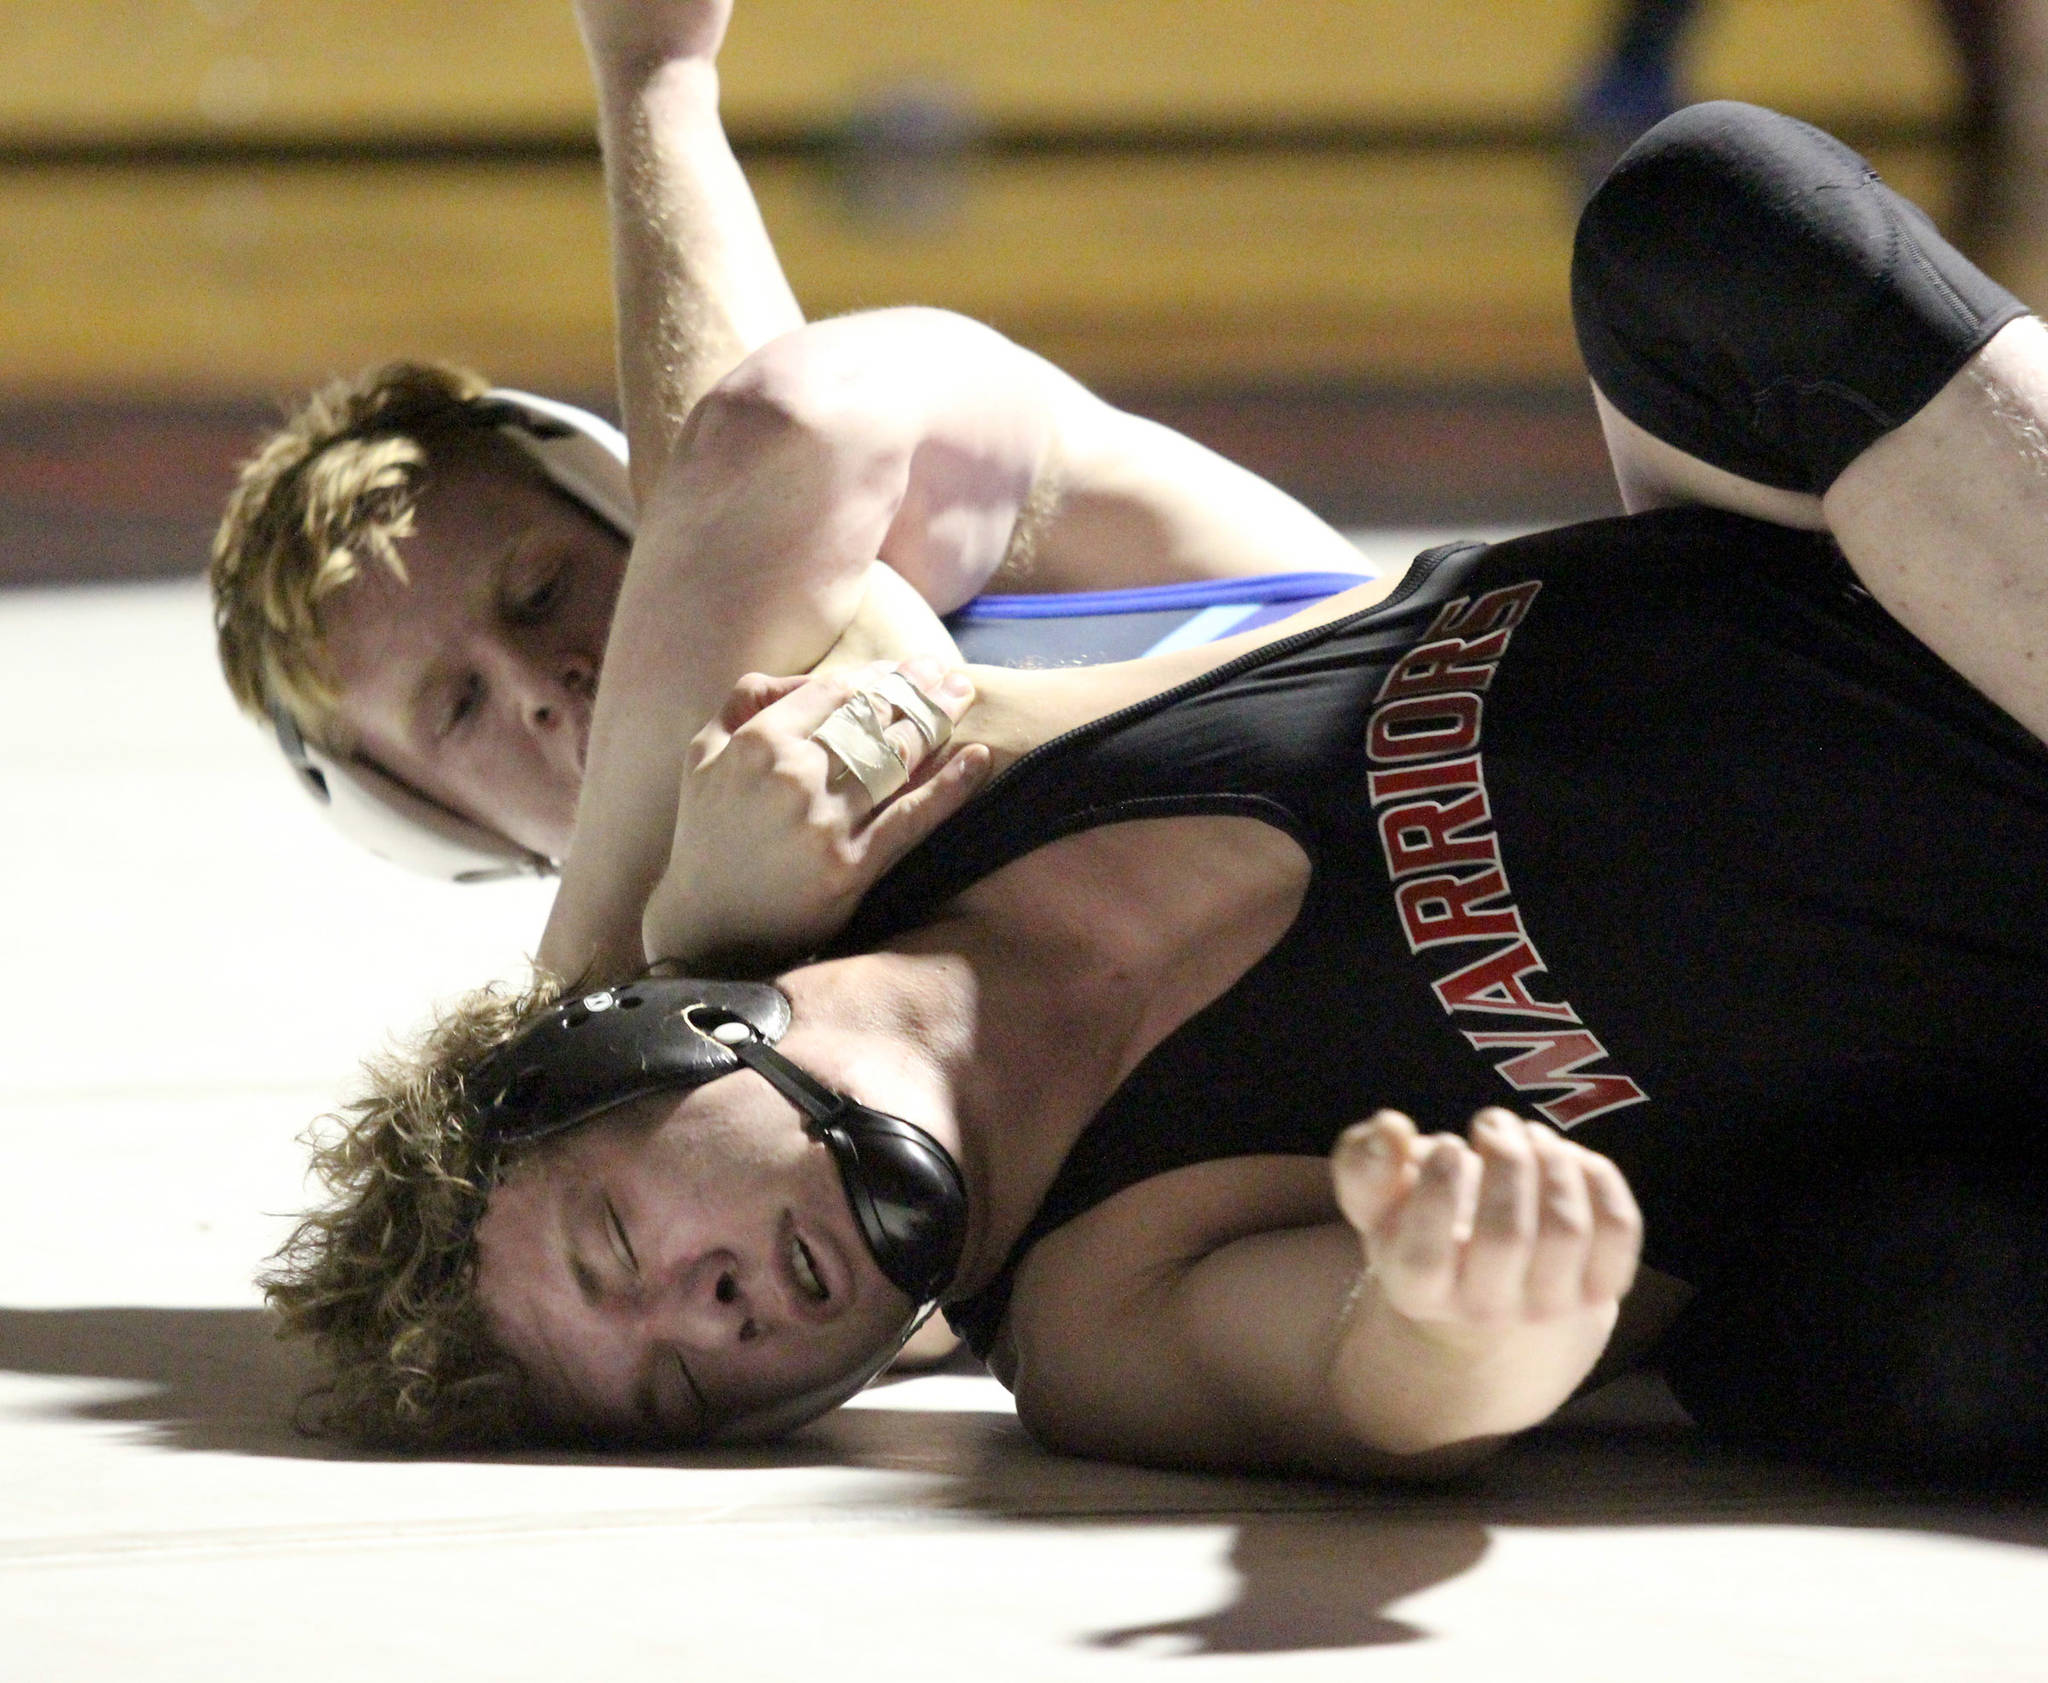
x,y
1714,184
1748,290
1694,275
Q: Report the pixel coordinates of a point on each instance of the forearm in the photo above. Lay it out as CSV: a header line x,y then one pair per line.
x,y
697,280
743,564
910,435
892,622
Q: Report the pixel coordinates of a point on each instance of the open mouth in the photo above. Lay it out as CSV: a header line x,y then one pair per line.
x,y
804,1267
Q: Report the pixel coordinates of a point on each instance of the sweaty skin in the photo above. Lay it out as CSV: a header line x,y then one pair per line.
x,y
914,436
1418,1298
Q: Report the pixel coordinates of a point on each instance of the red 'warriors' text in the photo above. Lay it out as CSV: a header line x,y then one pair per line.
x,y
1443,856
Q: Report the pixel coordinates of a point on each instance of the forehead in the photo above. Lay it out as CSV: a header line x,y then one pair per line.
x,y
481,486
528,1291
479,492
482,503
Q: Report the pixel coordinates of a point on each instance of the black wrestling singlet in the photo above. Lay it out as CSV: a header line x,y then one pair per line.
x,y
1657,828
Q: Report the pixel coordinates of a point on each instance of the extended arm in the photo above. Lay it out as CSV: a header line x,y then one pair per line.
x,y
914,436
697,279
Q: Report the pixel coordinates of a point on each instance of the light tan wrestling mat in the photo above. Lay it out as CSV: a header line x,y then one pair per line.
x,y
193,962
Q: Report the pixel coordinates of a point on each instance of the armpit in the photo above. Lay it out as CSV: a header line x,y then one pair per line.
x,y
1019,560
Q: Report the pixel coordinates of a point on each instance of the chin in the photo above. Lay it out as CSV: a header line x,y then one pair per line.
x,y
776,1420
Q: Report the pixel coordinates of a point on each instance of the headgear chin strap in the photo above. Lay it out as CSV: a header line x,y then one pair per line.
x,y
592,1054
584,457
396,822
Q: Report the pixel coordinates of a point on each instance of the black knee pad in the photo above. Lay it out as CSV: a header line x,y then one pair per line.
x,y
1747,289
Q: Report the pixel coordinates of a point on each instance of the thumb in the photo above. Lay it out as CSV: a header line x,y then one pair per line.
x,y
754,692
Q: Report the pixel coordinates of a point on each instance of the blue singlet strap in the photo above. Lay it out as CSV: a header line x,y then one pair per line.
x,y
1256,588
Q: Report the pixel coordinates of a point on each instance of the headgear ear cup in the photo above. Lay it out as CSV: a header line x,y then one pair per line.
x,y
660,1034
904,1189
584,454
397,822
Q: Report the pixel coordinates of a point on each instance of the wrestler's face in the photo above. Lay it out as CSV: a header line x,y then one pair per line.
x,y
669,1272
473,678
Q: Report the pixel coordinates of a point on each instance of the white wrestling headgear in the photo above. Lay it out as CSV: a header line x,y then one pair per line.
x,y
584,456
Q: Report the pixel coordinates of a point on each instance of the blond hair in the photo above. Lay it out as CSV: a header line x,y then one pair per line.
x,y
335,487
383,1277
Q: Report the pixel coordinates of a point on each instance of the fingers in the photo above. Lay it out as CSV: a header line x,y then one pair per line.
x,y
1517,1225
1559,1255
906,819
755,691
946,688
1418,1250
795,708
1617,1230
1372,1168
1497,1259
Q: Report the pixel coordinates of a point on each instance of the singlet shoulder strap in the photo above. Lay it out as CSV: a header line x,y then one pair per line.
x,y
1037,799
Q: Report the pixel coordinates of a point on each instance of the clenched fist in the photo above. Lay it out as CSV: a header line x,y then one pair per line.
x,y
619,31
1517,1228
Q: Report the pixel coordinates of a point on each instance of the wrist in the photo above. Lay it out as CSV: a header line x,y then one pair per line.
x,y
1409,1386
673,85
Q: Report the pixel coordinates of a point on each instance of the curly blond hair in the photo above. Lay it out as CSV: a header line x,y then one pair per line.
x,y
383,1277
332,489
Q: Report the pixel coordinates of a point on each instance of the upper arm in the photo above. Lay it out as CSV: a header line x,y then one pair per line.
x,y
934,429
754,551
1219,1361
1130,502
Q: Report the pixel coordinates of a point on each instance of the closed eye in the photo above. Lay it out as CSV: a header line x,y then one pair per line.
x,y
467,700
622,1243
536,604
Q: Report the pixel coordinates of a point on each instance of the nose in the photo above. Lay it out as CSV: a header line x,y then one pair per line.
x,y
552,691
707,1302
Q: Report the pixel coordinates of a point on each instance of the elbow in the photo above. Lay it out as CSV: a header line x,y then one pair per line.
x,y
746,425
778,428
790,399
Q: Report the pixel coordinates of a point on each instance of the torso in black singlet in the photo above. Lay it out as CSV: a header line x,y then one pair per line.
x,y
1657,828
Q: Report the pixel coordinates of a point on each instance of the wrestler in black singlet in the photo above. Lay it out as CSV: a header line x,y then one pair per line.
x,y
1659,828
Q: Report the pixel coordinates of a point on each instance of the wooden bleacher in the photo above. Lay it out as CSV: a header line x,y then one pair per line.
x,y
207,197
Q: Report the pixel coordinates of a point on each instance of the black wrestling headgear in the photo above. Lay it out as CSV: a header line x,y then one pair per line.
x,y
591,1054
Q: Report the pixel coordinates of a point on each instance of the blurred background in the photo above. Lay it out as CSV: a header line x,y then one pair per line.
x,y
1328,236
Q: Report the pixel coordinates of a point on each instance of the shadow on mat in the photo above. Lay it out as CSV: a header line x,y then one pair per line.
x,y
201,1379
1318,1565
